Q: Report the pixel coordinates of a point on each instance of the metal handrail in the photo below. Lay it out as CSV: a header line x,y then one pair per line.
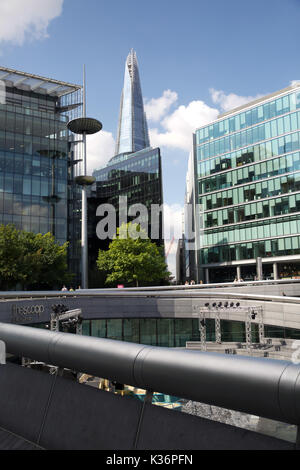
x,y
263,387
183,293
133,290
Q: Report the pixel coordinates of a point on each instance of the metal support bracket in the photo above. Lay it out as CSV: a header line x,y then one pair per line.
x,y
251,315
201,314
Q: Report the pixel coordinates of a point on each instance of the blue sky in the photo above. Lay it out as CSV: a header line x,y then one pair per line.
x,y
196,58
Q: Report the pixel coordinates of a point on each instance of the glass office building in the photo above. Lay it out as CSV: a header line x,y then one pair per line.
x,y
247,183
36,153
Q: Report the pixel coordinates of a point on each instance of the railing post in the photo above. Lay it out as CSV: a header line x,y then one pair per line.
x,y
147,401
148,397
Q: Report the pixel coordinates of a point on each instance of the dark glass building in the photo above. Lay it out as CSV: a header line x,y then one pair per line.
x,y
37,155
136,176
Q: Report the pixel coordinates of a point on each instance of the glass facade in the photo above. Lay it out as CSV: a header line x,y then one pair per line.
x,y
162,332
136,176
175,332
33,165
171,332
133,130
35,153
247,182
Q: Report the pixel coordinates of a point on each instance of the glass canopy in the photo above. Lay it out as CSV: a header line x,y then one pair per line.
x,y
29,82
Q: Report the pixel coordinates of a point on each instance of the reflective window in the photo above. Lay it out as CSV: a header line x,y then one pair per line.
x,y
278,247
33,138
276,107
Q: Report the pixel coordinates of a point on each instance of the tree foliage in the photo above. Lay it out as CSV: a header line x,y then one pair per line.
x,y
30,260
133,262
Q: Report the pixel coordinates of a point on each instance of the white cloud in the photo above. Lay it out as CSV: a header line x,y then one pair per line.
x,y
295,82
27,19
100,148
174,130
156,108
179,126
230,101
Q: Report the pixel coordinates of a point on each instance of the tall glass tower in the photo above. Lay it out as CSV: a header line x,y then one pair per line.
x,y
134,172
133,131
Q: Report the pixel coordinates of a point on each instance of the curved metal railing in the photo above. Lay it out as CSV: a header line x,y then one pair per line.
x,y
263,387
201,290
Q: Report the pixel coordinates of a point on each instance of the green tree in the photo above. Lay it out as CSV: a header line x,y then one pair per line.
x,y
133,261
35,261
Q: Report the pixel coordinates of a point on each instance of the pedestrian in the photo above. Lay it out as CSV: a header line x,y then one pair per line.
x,y
64,288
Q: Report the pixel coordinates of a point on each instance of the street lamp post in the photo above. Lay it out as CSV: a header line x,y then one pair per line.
x,y
84,126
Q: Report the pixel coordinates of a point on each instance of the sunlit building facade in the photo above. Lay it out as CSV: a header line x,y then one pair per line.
x,y
37,156
247,184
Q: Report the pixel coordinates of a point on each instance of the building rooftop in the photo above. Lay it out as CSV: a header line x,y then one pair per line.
x,y
30,82
260,100
253,103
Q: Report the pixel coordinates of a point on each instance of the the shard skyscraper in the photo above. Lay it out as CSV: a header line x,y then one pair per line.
x,y
133,130
134,172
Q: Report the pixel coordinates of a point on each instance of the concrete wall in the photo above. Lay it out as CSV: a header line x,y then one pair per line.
x,y
280,312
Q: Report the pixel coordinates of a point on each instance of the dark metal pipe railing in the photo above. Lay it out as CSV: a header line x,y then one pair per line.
x,y
263,387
